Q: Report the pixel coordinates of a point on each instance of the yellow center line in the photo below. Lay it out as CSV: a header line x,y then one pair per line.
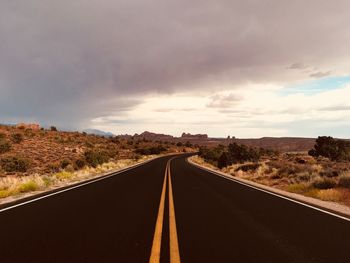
x,y
157,239
174,246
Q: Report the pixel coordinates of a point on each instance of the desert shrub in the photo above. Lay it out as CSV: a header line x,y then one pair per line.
x,y
130,142
329,172
96,157
242,153
303,176
79,163
64,163
323,183
5,146
334,149
188,144
114,140
2,135
248,167
53,128
14,164
344,181
17,138
151,150
223,160
212,155
179,144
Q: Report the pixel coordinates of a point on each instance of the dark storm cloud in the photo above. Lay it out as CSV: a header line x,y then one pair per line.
x,y
70,61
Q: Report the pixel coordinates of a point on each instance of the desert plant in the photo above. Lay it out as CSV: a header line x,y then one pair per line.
x,y
223,160
64,175
53,128
334,149
28,187
344,180
323,183
96,157
5,146
17,138
64,163
14,164
151,150
248,167
79,163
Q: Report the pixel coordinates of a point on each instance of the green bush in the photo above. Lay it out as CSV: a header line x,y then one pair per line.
x,y
17,138
334,149
242,153
151,150
14,164
223,160
96,157
5,146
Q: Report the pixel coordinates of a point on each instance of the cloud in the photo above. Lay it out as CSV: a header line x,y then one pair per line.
x,y
297,65
224,100
70,62
321,74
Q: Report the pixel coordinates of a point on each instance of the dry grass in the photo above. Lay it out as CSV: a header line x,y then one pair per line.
x,y
297,173
15,185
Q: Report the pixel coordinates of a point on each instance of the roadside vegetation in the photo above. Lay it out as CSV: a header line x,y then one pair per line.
x,y
323,172
41,159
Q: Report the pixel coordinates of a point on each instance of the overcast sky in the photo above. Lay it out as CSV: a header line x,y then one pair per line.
x,y
248,68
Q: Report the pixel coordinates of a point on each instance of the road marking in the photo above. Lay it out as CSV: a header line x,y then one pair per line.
x,y
91,181
157,238
174,246
268,192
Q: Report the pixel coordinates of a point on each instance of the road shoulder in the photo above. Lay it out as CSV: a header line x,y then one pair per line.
x,y
328,207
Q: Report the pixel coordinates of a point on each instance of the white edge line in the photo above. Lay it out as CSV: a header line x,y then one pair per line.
x,y
268,192
77,186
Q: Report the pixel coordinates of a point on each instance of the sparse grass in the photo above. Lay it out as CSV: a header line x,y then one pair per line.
x,y
321,179
28,187
298,188
329,195
5,193
64,175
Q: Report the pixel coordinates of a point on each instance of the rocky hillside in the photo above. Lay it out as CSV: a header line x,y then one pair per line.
x,y
24,150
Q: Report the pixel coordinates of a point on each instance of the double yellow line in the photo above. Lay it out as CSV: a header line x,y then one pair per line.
x,y
157,239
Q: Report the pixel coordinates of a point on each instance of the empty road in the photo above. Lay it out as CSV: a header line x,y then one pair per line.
x,y
168,210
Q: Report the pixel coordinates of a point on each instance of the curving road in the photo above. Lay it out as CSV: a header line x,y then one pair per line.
x,y
169,211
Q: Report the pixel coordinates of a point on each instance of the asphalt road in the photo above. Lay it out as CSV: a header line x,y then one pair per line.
x,y
159,212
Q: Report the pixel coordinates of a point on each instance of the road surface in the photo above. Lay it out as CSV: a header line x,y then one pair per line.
x,y
166,211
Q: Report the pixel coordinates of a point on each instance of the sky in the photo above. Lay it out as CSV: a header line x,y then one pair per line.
x,y
244,68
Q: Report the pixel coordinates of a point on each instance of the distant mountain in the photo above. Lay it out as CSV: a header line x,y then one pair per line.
x,y
99,132
153,136
194,136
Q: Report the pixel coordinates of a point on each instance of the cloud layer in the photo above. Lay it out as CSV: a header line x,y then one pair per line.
x,y
70,62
